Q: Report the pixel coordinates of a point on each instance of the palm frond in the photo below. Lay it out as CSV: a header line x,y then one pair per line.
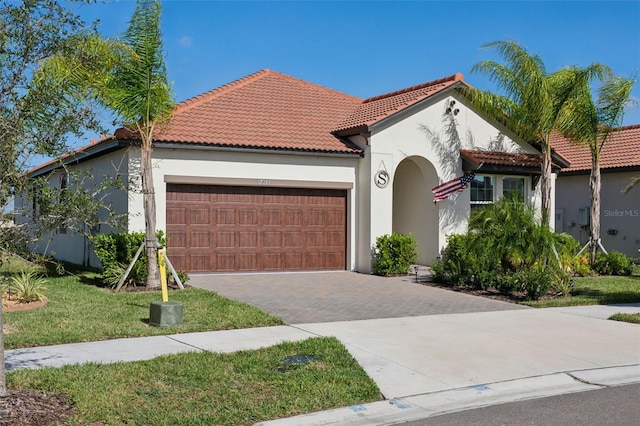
x,y
632,184
614,96
138,89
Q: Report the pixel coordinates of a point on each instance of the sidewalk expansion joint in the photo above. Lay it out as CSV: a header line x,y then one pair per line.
x,y
586,382
184,343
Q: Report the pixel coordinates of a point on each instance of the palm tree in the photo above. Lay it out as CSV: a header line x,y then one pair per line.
x,y
531,103
590,123
139,93
129,78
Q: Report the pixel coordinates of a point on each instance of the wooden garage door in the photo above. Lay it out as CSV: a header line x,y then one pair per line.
x,y
233,228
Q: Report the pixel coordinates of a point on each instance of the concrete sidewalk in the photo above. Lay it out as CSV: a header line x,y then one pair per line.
x,y
424,365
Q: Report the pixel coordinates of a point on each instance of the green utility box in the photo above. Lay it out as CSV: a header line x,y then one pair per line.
x,y
162,314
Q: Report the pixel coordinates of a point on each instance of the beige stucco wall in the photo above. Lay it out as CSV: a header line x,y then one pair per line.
x,y
619,211
427,133
75,247
248,169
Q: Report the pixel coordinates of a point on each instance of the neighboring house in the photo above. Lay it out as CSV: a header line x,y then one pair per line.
x,y
619,212
272,173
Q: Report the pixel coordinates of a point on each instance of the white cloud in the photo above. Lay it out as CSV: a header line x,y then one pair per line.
x,y
185,41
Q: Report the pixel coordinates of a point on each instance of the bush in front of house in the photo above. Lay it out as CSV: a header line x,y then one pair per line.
x,y
394,254
613,263
116,252
506,248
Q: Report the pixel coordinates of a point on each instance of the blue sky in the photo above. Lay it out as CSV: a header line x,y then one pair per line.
x,y
366,48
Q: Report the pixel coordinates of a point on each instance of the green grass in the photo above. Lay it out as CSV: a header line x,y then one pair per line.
x,y
632,318
78,311
206,388
604,290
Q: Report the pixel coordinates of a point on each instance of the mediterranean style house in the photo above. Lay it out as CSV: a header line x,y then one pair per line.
x,y
619,211
273,173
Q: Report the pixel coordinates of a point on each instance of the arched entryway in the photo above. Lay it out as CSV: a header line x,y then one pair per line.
x,y
413,208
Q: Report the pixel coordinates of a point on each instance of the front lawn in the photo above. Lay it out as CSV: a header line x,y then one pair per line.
x,y
78,311
206,388
604,290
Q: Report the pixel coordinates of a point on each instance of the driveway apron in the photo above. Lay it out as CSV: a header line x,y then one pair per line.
x,y
342,296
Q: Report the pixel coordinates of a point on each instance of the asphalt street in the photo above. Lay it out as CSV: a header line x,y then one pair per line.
x,y
617,405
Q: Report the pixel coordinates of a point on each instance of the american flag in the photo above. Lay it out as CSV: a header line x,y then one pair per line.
x,y
442,191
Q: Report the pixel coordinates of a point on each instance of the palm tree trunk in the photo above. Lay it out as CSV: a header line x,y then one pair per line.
x,y
545,184
149,204
3,383
594,192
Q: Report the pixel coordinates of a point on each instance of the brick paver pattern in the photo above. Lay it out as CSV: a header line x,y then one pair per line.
x,y
300,298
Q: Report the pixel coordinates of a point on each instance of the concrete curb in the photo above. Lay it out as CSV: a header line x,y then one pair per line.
x,y
418,407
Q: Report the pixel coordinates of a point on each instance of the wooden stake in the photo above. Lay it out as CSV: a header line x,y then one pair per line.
x,y
128,271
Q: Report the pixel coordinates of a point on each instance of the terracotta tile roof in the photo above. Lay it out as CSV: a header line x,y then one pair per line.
x,y
266,109
622,149
72,156
495,158
377,108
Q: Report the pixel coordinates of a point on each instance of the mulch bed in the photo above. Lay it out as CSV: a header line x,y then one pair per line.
x,y
32,408
490,293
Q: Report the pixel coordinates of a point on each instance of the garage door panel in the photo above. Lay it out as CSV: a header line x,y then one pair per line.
x,y
334,239
198,239
225,216
199,216
292,261
272,217
177,215
198,262
271,262
249,262
315,260
248,239
335,218
225,239
293,217
178,239
314,238
272,239
229,229
178,260
225,262
247,216
293,239
317,218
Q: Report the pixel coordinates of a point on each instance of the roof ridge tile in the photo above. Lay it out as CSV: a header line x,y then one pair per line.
x,y
243,81
454,77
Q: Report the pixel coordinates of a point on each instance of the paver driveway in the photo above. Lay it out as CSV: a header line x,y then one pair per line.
x,y
312,297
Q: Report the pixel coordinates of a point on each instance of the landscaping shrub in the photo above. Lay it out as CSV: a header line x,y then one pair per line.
x,y
26,287
116,252
613,263
508,284
184,277
562,284
393,254
567,247
506,248
454,267
536,281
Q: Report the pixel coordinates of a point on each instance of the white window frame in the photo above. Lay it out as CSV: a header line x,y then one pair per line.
x,y
498,187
